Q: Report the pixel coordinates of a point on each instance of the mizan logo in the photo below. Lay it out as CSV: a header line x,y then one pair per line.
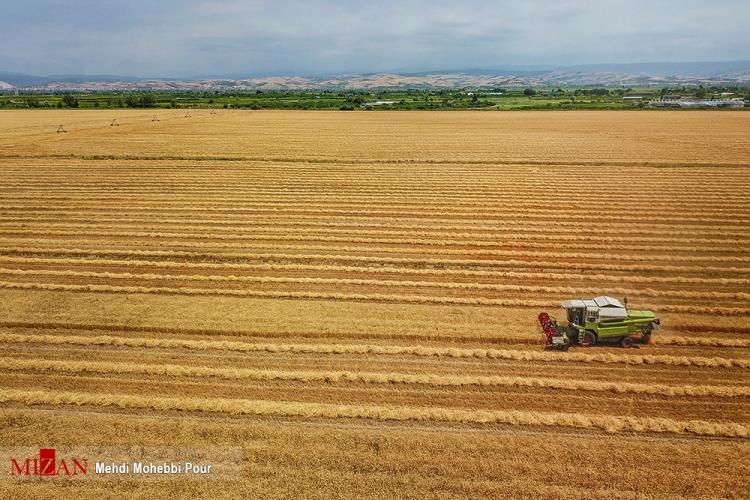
x,y
47,464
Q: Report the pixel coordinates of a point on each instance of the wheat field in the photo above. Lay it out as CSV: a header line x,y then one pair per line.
x,y
351,298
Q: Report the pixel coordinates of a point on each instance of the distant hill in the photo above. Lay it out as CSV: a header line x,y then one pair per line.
x,y
611,75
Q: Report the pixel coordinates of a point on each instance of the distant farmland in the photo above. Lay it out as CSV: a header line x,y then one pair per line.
x,y
351,298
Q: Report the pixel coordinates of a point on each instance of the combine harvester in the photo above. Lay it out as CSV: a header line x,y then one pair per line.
x,y
598,320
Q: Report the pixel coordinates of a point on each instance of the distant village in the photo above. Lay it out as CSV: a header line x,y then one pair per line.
x,y
725,100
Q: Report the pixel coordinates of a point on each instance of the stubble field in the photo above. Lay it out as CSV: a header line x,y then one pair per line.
x,y
351,298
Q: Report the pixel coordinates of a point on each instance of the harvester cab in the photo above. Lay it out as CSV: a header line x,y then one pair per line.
x,y
598,320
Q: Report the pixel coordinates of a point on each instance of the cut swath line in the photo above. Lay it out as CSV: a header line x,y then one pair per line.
x,y
494,337
219,195
334,206
567,384
500,231
552,276
228,257
440,239
355,297
210,244
500,225
607,423
643,292
364,349
729,223
581,164
371,297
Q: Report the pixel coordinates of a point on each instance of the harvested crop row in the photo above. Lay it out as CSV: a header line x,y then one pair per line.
x,y
497,225
488,184
398,191
517,232
230,256
248,195
309,232
549,276
37,365
372,297
436,179
361,192
333,254
370,197
174,167
676,376
242,164
396,331
699,341
323,410
643,292
729,222
364,349
406,333
319,174
416,299
290,234
84,199
212,245
269,179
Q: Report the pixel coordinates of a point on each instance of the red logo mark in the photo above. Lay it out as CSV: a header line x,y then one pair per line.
x,y
47,464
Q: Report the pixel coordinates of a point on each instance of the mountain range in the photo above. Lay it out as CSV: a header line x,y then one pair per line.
x,y
610,75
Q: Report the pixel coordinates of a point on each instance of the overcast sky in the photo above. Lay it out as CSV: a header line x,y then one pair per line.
x,y
253,37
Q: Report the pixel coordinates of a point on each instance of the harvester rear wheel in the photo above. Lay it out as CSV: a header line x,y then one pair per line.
x,y
588,339
626,342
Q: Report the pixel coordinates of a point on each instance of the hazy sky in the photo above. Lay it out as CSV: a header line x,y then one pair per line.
x,y
250,37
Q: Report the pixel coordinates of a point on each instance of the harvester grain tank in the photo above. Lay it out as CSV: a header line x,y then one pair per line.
x,y
598,320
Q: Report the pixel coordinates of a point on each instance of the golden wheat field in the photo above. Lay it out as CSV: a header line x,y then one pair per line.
x,y
351,299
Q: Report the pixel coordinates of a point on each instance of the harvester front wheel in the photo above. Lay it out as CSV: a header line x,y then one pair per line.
x,y
626,342
588,339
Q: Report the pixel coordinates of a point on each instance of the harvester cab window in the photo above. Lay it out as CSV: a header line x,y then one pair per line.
x,y
575,316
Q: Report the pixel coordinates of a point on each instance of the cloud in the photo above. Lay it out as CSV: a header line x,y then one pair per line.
x,y
192,37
